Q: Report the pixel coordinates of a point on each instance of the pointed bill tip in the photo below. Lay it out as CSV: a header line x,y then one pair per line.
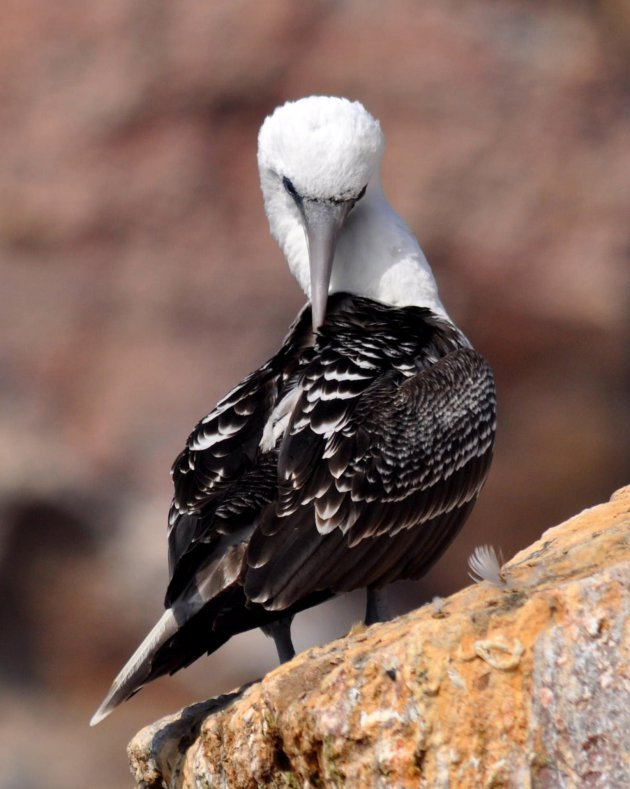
x,y
101,713
109,703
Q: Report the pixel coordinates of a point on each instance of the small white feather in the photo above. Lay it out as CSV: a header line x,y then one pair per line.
x,y
485,566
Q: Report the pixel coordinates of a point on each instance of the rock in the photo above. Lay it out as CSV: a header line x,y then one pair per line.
x,y
522,684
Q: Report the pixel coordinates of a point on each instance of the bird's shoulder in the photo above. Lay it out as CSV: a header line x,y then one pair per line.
x,y
386,336
227,438
363,350
394,402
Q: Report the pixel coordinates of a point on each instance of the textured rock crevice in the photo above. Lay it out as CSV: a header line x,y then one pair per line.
x,y
525,684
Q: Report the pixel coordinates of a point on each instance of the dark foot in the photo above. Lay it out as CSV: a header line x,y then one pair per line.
x,y
377,609
280,631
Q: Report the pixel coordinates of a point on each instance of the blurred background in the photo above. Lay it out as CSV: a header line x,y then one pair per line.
x,y
139,283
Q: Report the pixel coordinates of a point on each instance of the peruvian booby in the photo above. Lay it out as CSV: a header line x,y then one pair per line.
x,y
354,455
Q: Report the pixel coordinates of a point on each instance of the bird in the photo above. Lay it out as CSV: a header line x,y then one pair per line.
x,y
352,457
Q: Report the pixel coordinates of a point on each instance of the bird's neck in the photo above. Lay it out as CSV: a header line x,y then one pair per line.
x,y
377,256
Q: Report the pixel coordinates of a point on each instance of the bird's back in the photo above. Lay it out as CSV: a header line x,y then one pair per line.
x,y
383,453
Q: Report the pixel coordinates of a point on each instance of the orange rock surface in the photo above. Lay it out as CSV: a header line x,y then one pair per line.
x,y
527,684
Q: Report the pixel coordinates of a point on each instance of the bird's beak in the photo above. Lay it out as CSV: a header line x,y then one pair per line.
x,y
323,221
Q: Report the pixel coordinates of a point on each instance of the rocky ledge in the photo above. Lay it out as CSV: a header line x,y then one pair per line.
x,y
524,681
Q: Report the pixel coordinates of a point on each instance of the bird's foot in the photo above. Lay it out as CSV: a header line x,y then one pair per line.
x,y
280,631
377,608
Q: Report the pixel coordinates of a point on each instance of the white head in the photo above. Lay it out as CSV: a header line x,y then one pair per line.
x,y
328,147
317,158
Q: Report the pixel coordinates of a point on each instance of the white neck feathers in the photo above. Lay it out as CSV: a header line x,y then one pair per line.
x,y
377,256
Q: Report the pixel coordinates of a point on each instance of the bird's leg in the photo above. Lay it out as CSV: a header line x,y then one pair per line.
x,y
280,631
377,609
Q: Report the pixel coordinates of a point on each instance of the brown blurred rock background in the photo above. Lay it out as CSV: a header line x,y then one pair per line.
x,y
138,282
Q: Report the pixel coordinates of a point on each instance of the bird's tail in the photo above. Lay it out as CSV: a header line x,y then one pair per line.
x,y
138,668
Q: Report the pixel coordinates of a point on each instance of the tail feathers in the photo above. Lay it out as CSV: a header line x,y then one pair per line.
x,y
138,668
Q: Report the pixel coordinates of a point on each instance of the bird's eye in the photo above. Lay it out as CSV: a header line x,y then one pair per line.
x,y
360,195
288,185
